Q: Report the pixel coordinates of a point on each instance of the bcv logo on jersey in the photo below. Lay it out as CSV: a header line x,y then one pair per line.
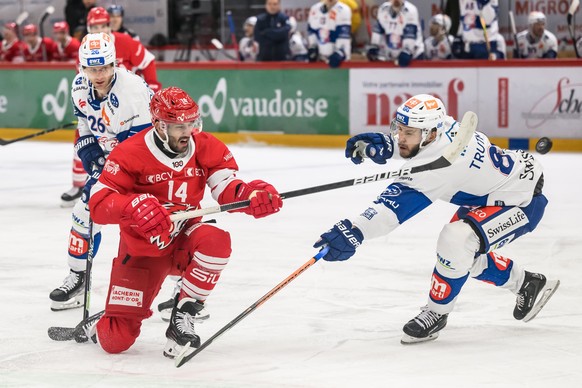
x,y
160,177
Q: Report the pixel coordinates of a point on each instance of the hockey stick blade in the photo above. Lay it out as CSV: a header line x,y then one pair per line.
x,y
187,354
451,153
21,18
4,142
57,333
548,291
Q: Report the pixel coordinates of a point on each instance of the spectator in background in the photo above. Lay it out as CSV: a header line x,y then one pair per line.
x,y
11,48
247,47
438,44
76,16
536,41
37,49
272,33
328,27
297,43
116,13
398,31
480,41
67,46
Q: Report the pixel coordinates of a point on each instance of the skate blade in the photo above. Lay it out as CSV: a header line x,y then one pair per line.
x,y
549,290
73,303
173,350
408,340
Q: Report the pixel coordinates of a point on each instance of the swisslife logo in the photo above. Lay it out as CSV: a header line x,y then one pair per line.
x,y
279,104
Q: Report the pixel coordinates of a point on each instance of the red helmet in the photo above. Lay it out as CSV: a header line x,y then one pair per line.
x,y
97,15
11,26
173,105
30,29
61,27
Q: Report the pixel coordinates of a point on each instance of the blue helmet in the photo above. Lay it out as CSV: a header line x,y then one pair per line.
x,y
115,9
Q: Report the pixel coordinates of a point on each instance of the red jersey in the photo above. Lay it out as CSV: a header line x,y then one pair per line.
x,y
69,52
34,54
132,55
137,165
11,51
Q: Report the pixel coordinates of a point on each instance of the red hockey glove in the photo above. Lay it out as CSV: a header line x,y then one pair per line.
x,y
149,218
264,198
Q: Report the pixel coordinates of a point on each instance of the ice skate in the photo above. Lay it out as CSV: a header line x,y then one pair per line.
x,y
533,296
70,197
70,295
180,332
87,329
165,308
424,327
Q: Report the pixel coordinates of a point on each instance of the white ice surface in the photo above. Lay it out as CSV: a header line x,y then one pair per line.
x,y
336,325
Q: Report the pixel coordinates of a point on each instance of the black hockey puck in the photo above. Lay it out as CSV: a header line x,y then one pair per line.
x,y
544,145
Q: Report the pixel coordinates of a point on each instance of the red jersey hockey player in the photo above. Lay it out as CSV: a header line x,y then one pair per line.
x,y
37,49
132,55
67,46
11,48
156,173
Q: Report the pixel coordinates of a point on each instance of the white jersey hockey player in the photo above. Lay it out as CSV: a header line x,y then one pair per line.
x,y
329,29
500,197
475,35
111,104
398,32
248,46
439,44
297,44
536,41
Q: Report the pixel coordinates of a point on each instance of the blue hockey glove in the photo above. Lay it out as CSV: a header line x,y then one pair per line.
x,y
376,146
312,54
90,153
336,59
404,59
89,185
373,54
342,240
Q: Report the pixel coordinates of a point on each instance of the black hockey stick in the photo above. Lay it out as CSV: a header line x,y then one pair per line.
x,y
572,24
513,30
47,12
184,357
218,44
464,134
4,142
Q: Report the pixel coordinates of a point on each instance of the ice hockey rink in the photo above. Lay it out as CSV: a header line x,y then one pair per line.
x,y
336,325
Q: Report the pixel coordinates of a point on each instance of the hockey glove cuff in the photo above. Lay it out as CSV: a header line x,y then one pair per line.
x,y
342,240
336,59
90,153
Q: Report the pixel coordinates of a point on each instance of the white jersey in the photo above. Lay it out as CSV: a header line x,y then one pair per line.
x,y
330,30
484,175
297,46
395,32
470,26
248,49
122,113
434,49
529,47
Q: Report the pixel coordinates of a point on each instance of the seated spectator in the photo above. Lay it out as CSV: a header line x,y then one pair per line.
x,y
398,32
536,41
76,16
116,13
247,47
272,33
297,43
328,27
37,49
438,44
11,48
67,46
479,27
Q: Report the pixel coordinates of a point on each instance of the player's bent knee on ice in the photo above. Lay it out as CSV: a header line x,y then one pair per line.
x,y
456,248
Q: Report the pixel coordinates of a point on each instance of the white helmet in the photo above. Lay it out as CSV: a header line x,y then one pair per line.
x,y
422,111
293,24
442,20
536,17
97,50
251,21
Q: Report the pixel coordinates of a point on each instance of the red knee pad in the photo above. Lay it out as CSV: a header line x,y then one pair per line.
x,y
117,334
204,238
